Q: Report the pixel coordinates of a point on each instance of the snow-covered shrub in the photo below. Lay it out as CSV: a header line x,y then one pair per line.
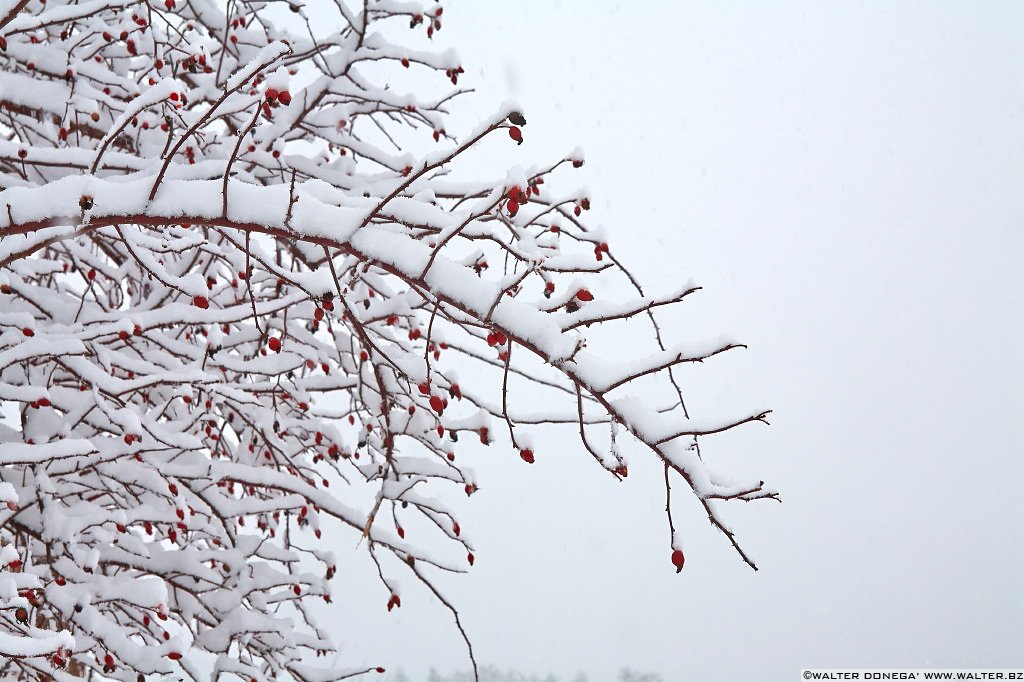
x,y
235,292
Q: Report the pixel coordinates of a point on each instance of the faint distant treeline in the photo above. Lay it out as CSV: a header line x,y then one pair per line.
x,y
491,674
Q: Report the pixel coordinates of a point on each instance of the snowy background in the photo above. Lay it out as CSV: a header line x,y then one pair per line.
x,y
846,180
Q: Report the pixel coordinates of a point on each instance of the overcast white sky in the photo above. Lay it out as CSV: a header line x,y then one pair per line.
x,y
846,180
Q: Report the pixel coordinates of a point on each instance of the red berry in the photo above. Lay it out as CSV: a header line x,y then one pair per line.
x,y
584,295
527,455
200,302
275,344
284,97
297,590
174,656
516,134
470,558
678,559
436,404
513,207
27,331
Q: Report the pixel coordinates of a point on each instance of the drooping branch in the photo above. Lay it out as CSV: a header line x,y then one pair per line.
x,y
485,315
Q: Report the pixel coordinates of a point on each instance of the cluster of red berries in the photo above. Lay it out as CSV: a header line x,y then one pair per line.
x,y
453,74
282,96
195,64
433,23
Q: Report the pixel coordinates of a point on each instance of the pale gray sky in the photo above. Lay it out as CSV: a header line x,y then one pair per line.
x,y
846,180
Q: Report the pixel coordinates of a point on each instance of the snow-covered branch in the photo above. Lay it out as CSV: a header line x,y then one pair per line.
x,y
245,300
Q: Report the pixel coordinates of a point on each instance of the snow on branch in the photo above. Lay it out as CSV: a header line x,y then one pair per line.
x,y
246,301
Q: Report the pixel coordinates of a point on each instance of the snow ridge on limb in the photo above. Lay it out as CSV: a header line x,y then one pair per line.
x,y
235,320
